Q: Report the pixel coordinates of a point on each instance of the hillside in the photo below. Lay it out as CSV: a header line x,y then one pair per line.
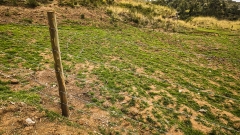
x,y
130,68
221,9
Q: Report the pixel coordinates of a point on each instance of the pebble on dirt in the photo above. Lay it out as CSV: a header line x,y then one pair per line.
x,y
14,81
30,121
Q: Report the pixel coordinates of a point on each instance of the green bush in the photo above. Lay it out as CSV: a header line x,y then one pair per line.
x,y
14,2
109,12
94,3
1,1
32,3
44,1
27,20
82,16
110,2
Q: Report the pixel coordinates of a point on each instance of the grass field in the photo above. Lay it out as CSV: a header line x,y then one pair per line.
x,y
185,82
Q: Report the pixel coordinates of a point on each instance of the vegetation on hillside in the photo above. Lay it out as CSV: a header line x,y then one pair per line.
x,y
72,3
147,15
220,9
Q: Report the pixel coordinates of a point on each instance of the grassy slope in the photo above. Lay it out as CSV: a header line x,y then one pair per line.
x,y
157,78
184,72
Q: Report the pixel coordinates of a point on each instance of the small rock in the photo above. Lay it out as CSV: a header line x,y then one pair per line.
x,y
14,81
202,110
123,102
22,104
30,121
13,103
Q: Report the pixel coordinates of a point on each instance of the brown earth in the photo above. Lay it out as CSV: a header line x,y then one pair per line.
x,y
38,15
13,121
82,119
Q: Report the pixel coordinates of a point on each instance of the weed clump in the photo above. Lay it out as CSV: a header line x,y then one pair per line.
x,y
82,16
32,3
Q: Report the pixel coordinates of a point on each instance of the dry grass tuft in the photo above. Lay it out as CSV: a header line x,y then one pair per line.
x,y
158,9
164,17
211,22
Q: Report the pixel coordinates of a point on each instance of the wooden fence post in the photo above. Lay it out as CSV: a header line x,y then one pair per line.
x,y
58,64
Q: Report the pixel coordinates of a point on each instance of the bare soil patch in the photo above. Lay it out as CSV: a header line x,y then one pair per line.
x,y
14,116
38,15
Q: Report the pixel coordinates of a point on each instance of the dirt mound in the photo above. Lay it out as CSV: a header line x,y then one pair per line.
x,y
79,15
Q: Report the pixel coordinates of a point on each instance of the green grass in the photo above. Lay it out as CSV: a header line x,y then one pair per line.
x,y
27,96
140,63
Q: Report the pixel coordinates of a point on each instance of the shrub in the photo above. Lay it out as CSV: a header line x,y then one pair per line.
x,y
14,2
82,16
94,3
132,102
109,12
32,3
110,2
27,20
1,1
